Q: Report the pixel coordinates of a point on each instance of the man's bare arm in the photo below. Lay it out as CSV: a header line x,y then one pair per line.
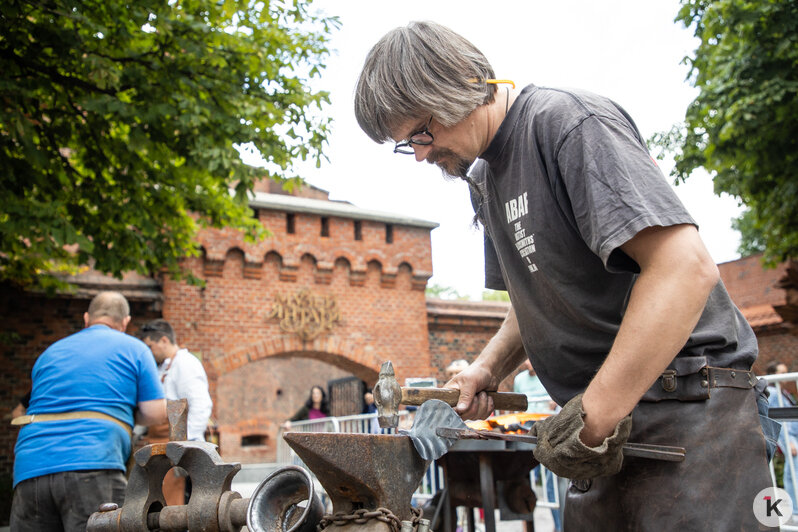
x,y
18,410
499,358
677,275
151,412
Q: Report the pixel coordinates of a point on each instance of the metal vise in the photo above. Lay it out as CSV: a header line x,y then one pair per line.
x,y
213,506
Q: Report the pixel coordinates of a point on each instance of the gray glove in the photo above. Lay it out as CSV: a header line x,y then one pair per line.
x,y
560,449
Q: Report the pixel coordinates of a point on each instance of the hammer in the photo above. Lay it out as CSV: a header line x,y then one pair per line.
x,y
388,395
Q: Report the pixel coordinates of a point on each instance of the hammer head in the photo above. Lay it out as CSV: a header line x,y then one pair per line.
x,y
387,397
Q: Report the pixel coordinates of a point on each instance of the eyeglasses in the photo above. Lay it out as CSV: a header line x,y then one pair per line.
x,y
421,138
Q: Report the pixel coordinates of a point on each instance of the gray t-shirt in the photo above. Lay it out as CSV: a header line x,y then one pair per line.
x,y
565,182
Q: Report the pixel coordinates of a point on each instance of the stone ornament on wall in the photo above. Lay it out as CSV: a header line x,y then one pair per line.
x,y
306,314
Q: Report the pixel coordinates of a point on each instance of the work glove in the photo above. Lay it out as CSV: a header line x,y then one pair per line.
x,y
560,449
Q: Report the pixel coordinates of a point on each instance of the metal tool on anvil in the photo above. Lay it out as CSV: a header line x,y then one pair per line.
x,y
437,427
666,453
388,395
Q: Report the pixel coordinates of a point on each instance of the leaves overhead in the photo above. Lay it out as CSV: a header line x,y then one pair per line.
x,y
118,122
743,125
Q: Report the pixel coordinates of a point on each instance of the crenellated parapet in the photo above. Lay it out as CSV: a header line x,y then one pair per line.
x,y
336,238
287,268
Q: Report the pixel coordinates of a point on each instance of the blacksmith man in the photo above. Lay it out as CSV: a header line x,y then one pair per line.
x,y
615,299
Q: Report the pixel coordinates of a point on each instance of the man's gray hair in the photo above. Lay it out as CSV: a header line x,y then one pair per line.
x,y
419,70
112,305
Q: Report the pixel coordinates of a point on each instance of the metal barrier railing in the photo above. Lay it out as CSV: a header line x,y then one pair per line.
x,y
788,440
284,453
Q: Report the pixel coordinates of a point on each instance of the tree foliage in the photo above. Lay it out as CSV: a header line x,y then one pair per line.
x,y
444,292
743,125
753,238
119,121
495,295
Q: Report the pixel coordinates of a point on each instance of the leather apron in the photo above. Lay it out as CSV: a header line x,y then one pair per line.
x,y
713,489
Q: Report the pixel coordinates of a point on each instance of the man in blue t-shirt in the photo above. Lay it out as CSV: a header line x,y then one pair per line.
x,y
75,439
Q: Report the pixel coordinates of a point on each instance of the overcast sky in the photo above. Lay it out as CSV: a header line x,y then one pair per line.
x,y
628,50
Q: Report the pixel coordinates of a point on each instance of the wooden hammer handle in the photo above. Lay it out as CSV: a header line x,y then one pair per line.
x,y
501,400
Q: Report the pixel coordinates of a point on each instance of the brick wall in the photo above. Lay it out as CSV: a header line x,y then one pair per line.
x,y
749,284
755,291
378,290
29,326
259,370
776,345
460,330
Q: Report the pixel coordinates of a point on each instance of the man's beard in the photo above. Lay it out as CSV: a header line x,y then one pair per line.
x,y
454,166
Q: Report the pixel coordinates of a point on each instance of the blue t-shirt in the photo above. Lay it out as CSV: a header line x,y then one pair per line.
x,y
98,369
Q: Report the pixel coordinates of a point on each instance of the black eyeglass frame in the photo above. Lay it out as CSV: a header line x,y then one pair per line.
x,y
406,147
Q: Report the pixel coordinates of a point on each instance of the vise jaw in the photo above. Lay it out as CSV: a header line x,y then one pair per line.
x,y
145,507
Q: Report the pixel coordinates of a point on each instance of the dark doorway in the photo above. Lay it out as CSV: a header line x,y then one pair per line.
x,y
346,396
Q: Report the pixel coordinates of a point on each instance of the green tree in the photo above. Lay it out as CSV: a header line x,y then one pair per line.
x,y
495,295
444,292
743,125
753,238
119,123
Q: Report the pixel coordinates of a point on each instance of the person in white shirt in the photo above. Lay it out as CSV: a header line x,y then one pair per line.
x,y
183,377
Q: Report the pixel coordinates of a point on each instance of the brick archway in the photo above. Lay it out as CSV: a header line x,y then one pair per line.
x,y
263,384
348,353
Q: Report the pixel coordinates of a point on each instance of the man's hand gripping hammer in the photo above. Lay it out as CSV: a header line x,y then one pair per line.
x,y
388,395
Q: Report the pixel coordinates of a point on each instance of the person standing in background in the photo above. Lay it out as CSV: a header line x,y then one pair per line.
x,y
183,377
455,367
316,407
527,383
370,407
788,439
75,438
